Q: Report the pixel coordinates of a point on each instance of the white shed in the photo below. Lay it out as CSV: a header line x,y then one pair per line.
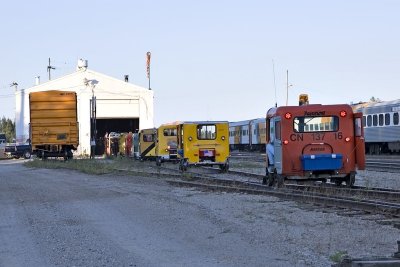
x,y
121,106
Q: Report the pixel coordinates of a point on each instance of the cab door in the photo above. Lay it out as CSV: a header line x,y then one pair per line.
x,y
275,127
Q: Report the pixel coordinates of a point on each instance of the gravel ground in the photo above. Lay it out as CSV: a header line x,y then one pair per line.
x,y
66,218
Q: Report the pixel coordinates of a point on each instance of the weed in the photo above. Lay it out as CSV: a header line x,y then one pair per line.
x,y
338,256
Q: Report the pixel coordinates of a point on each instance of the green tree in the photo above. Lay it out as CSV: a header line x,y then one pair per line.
x,y
7,127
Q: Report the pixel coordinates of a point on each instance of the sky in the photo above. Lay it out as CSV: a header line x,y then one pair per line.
x,y
211,59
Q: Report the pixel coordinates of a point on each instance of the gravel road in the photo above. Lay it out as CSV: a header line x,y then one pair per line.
x,y
66,218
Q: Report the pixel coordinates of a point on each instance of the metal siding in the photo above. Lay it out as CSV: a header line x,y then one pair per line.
x,y
382,134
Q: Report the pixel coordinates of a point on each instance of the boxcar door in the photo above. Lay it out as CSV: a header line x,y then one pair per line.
x,y
277,144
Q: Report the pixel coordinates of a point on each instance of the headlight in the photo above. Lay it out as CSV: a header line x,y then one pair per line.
x,y
223,138
190,138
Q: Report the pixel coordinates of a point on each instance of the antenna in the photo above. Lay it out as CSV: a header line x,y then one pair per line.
x,y
287,86
49,68
273,71
15,84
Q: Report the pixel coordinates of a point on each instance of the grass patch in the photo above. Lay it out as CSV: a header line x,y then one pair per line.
x,y
89,166
338,256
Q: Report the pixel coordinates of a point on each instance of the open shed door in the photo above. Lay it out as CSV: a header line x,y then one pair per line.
x,y
117,108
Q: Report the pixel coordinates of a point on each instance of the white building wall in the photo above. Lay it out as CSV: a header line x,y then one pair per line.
x,y
137,102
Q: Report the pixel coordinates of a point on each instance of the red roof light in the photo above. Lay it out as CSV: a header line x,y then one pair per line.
x,y
288,115
343,113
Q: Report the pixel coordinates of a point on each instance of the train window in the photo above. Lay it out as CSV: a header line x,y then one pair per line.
x,y
364,121
380,117
358,127
169,132
369,120
278,130
375,120
206,132
396,118
148,138
316,124
387,119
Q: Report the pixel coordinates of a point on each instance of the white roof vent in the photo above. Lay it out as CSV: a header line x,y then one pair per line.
x,y
82,64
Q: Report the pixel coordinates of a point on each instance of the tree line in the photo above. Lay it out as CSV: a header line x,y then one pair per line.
x,y
7,127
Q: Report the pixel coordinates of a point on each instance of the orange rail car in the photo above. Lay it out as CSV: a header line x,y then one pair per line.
x,y
314,142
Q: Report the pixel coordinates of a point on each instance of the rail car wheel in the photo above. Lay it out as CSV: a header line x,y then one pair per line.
x,y
224,167
271,178
350,179
158,161
183,164
280,179
338,182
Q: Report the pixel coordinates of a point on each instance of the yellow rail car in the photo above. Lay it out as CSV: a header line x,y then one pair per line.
x,y
203,143
167,143
53,123
147,144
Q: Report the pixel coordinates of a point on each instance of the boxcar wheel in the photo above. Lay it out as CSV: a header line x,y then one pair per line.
x,y
27,154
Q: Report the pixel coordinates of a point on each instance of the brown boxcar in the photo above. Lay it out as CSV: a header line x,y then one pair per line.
x,y
53,123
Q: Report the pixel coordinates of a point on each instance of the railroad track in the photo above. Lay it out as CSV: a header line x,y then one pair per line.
x,y
383,165
378,163
345,201
386,208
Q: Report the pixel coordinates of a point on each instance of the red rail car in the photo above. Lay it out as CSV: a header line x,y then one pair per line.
x,y
314,142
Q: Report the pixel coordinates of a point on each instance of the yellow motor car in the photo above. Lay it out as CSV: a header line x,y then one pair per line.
x,y
203,143
166,145
147,144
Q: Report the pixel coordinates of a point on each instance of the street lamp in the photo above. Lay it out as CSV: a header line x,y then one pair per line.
x,y
93,127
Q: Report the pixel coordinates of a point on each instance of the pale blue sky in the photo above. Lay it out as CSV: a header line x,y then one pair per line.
x,y
211,60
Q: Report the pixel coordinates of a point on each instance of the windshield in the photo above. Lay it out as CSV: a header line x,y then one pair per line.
x,y
316,124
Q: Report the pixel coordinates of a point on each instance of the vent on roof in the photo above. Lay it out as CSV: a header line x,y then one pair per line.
x,y
82,64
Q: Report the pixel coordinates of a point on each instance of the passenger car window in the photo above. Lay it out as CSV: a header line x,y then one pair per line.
x,y
380,119
369,120
387,119
396,118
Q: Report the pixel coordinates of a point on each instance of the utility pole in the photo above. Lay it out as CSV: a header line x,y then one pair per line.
x,y
49,68
148,57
